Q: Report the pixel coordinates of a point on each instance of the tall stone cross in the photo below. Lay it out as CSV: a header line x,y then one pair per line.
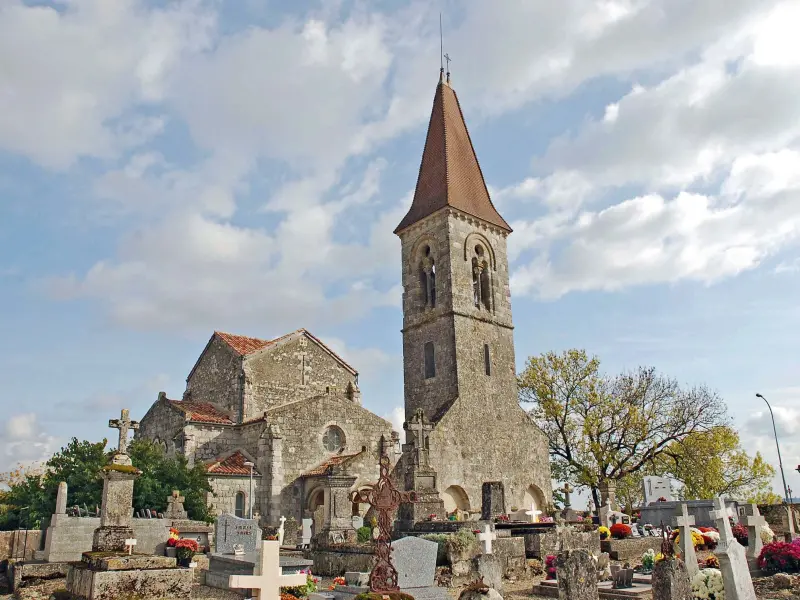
x,y
486,538
533,513
684,521
385,499
268,579
732,559
281,531
754,524
124,424
567,489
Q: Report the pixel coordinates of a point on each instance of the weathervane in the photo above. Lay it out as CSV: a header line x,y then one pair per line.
x,y
442,55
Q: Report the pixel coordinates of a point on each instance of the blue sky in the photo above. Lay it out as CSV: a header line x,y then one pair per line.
x,y
170,168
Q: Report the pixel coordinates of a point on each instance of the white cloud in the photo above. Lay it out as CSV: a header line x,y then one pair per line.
x,y
24,442
397,417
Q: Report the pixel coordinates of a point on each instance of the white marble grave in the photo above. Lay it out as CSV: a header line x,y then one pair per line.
x,y
486,538
684,521
732,558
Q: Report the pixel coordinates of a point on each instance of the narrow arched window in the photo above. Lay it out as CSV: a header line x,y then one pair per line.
x,y
476,283
433,284
239,511
427,279
430,361
487,359
486,287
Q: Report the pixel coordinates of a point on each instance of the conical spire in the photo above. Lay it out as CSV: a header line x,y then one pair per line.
x,y
450,174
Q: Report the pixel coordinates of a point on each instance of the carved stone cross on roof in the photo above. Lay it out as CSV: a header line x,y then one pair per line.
x,y
124,424
385,499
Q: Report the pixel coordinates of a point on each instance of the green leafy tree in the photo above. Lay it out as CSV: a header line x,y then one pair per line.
x,y
603,429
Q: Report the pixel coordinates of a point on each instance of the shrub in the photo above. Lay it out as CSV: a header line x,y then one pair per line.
x,y
550,566
364,534
604,532
740,533
780,557
461,541
302,591
441,552
620,531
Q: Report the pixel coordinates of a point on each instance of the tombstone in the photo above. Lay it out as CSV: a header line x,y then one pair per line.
x,y
268,577
655,488
493,500
281,531
308,525
290,531
175,508
635,531
230,530
754,522
684,521
576,576
732,557
415,562
671,581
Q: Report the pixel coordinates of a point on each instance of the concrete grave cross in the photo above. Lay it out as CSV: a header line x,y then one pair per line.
x,y
124,424
754,524
533,513
281,531
486,538
732,559
684,521
268,579
567,490
129,544
720,516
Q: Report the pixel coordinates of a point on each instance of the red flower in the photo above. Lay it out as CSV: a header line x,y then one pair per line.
x,y
620,531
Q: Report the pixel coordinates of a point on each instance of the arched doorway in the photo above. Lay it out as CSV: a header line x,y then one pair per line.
x,y
533,500
455,498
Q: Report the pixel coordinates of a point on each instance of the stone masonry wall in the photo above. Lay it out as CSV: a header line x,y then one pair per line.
x,y
207,442
274,376
217,378
223,498
161,423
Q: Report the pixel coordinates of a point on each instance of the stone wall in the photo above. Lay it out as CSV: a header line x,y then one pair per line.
x,y
329,563
631,549
777,516
542,544
289,370
217,378
223,498
208,442
658,512
13,544
161,423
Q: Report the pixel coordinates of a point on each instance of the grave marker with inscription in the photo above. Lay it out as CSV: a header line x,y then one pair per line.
x,y
230,530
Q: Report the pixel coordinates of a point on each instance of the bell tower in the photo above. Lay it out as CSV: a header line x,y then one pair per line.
x,y
457,328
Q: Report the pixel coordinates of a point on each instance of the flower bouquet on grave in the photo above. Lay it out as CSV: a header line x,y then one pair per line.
x,y
740,533
780,557
174,536
185,550
707,585
620,531
303,591
502,518
767,535
648,560
336,581
604,532
550,566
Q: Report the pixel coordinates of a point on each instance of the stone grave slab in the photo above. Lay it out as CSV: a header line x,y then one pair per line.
x,y
415,561
576,575
605,591
230,531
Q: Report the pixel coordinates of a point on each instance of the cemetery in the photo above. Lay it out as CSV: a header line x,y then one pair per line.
x,y
314,497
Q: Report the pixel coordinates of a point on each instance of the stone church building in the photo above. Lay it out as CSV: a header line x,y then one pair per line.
x,y
287,412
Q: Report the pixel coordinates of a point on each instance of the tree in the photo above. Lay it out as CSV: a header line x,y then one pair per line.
x,y
603,429
711,463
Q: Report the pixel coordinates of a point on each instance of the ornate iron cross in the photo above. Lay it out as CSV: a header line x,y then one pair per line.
x,y
385,499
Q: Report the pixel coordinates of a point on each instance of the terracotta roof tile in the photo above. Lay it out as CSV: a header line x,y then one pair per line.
x,y
201,412
232,465
333,461
243,344
449,174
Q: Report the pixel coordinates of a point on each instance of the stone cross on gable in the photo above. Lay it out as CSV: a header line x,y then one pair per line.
x,y
567,489
684,521
533,513
124,424
268,579
486,538
754,524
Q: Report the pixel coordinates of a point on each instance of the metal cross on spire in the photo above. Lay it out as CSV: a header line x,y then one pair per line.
x,y
124,424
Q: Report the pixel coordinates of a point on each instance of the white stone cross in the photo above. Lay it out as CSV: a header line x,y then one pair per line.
x,y
486,538
533,513
684,522
129,544
754,524
720,517
268,579
124,423
280,531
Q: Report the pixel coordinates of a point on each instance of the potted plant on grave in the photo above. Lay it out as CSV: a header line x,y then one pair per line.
x,y
604,532
184,551
174,536
648,560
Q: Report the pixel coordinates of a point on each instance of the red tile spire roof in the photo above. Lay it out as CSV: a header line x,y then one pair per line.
x,y
450,174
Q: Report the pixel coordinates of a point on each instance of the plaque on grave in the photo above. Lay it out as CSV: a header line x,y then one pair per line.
x,y
230,531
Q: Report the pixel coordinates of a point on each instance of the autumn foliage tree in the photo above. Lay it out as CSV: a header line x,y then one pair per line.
x,y
604,429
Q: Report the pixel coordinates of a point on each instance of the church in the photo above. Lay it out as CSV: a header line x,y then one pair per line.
x,y
278,423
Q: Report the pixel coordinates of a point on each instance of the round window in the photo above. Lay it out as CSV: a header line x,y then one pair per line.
x,y
333,439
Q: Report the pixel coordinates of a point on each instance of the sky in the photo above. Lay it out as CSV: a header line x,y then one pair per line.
x,y
171,168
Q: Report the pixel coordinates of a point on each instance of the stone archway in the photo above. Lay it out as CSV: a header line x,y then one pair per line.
x,y
455,497
533,498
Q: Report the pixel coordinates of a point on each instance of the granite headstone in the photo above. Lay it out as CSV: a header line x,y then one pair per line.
x,y
230,531
415,561
671,581
576,575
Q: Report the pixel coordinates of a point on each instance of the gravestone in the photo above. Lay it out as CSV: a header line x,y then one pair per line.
x,y
671,581
732,557
655,488
230,531
576,576
415,562
305,538
175,508
754,522
493,500
290,531
684,521
61,499
268,577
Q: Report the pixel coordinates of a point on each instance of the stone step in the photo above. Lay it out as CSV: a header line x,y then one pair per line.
x,y
549,588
